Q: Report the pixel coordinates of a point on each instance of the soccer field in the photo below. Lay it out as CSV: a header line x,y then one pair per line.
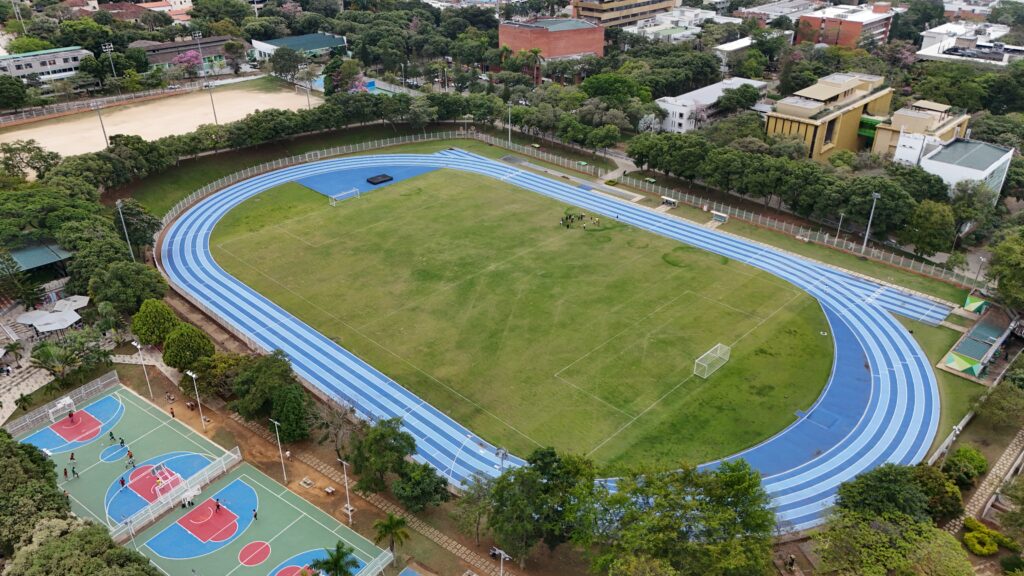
x,y
467,291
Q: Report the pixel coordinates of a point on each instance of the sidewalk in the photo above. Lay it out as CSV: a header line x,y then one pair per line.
x,y
24,380
993,481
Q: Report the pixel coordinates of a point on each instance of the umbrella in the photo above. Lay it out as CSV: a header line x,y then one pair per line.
x,y
57,321
32,316
71,303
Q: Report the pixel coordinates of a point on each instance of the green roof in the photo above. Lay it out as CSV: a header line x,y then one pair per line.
x,y
558,24
308,42
970,154
39,255
40,52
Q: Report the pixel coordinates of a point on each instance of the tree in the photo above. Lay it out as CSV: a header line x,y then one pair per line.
x,y
285,62
1007,268
419,486
920,15
973,202
965,465
640,566
13,93
92,260
381,451
185,345
76,548
23,44
929,228
291,408
391,529
736,99
16,349
127,285
1013,519
19,157
217,373
1003,407
29,486
603,137
16,284
234,54
141,225
421,113
892,209
474,505
886,490
918,183
339,562
153,322
944,499
215,10
190,62
339,75
614,89
338,424
57,360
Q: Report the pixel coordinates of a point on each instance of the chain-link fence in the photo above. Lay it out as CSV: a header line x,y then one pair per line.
x,y
83,105
930,269
41,415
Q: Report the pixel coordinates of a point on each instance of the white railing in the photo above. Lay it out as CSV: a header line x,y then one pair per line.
x,y
377,565
212,187
144,518
930,269
79,395
82,105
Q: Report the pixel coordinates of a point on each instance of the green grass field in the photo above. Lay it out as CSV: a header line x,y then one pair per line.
x,y
468,292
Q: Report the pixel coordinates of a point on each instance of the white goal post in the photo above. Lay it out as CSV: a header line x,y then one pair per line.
x,y
61,408
351,192
711,360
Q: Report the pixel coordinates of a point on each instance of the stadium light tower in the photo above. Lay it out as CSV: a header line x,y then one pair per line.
x,y
502,556
96,107
348,503
277,432
129,241
144,369
867,233
197,36
108,49
198,403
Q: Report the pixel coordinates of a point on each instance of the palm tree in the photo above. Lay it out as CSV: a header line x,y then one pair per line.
x,y
391,529
339,562
109,321
24,401
533,60
306,75
55,359
15,348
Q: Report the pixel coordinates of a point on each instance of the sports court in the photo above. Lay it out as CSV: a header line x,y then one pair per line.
x,y
186,503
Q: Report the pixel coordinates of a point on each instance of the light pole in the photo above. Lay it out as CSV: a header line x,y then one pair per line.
x,y
144,369
108,49
977,275
839,229
867,233
502,556
197,36
125,228
510,124
348,503
502,453
198,403
106,141
277,432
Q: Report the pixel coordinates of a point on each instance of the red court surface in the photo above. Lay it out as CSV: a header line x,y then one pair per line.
x,y
208,524
294,571
83,427
254,553
143,482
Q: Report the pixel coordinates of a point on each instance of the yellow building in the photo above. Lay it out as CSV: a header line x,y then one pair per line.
x,y
923,118
830,115
618,12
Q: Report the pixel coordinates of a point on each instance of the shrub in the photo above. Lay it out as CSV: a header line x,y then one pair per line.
x,y
612,182
965,465
1000,540
980,544
1012,563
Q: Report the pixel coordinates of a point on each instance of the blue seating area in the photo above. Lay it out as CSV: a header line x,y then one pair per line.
x,y
881,403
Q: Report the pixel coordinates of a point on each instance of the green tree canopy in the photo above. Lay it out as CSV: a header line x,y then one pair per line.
x,y
929,229
127,285
419,486
29,486
153,322
13,93
76,548
185,345
382,450
886,490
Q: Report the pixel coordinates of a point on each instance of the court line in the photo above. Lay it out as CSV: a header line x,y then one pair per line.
x,y
63,447
186,435
272,538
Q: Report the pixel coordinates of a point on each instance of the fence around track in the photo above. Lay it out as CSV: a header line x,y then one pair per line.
x,y
85,105
377,565
929,269
33,419
144,518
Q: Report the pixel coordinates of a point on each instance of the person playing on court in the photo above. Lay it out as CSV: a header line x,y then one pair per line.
x,y
122,442
216,504
122,482
254,514
74,473
71,416
110,434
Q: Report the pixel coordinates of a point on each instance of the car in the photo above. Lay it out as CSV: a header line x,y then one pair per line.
x,y
484,78
174,86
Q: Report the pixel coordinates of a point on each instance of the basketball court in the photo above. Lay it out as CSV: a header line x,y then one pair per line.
x,y
183,501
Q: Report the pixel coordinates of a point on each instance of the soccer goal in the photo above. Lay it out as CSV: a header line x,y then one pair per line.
x,y
61,408
350,193
711,360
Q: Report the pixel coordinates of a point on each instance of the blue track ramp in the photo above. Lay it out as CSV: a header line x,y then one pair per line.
x,y
343,180
881,403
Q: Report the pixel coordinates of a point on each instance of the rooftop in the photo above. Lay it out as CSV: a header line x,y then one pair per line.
x,y
39,255
554,24
306,42
972,154
708,95
861,13
736,44
41,52
933,106
960,28
782,8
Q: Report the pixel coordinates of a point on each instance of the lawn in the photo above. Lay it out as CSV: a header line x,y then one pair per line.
x,y
467,291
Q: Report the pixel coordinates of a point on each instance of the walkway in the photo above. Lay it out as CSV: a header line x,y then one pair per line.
x,y
25,380
993,481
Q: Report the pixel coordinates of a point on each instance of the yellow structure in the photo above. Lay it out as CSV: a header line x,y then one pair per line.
x,y
924,118
619,12
830,115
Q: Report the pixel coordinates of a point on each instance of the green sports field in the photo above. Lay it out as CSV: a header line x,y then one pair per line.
x,y
467,291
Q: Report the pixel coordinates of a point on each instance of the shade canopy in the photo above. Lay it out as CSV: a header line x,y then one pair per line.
x,y
57,321
31,317
71,303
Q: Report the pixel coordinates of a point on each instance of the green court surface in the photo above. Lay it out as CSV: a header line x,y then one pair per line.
x,y
289,526
467,291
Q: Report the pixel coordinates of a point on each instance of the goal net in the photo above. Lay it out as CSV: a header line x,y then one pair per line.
x,y
350,193
711,360
61,408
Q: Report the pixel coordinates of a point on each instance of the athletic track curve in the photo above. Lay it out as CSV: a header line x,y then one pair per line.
x,y
881,403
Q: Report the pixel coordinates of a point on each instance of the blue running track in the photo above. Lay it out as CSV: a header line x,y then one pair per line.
x,y
881,403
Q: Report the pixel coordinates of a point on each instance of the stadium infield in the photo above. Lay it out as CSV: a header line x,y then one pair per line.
x,y
261,528
467,291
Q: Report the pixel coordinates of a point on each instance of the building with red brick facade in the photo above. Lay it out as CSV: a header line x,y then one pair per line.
x,y
846,25
555,37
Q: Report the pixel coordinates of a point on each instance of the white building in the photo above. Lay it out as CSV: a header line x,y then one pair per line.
x,y
963,159
970,43
691,110
730,51
678,25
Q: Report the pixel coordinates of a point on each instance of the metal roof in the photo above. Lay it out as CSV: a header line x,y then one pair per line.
x,y
970,154
308,42
39,255
929,105
41,52
822,91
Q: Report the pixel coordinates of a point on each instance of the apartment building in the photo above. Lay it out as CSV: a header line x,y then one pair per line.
x,y
845,25
50,65
694,109
678,24
969,43
609,13
766,13
829,115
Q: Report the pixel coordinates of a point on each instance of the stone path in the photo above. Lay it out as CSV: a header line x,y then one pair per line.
x,y
481,564
24,380
991,484
150,357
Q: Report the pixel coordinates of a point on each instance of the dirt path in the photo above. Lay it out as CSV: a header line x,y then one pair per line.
x,y
80,133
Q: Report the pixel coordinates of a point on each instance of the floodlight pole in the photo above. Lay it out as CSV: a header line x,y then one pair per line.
x,y
348,502
867,233
510,124
839,229
977,276
106,141
277,432
501,562
144,369
108,49
502,453
197,36
126,238
198,402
